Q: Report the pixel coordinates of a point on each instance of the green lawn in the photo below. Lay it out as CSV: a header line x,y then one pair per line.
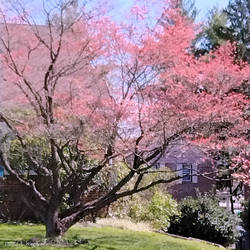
x,y
98,238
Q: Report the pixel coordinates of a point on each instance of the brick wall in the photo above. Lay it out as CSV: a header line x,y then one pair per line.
x,y
11,205
181,189
13,208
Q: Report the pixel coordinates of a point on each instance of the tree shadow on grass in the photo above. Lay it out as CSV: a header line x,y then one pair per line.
x,y
6,243
104,242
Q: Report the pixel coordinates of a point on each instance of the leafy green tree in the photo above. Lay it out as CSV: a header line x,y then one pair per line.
x,y
230,24
214,33
238,12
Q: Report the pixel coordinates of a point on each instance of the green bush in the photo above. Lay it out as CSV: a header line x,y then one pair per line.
x,y
156,208
245,216
159,211
202,218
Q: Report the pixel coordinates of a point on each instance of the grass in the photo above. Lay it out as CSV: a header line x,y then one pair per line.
x,y
99,238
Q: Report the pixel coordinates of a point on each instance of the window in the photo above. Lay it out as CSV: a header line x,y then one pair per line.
x,y
1,171
187,172
157,165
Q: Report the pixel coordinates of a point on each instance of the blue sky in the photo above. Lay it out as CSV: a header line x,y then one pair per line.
x,y
121,7
205,5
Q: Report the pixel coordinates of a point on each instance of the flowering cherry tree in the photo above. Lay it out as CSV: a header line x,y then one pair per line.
x,y
85,93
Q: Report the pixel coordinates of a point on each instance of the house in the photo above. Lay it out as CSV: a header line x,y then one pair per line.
x,y
11,205
192,164
196,169
198,174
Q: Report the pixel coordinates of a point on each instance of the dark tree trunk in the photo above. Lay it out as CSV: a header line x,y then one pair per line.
x,y
231,194
54,229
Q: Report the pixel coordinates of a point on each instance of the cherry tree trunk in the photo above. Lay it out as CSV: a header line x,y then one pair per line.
x,y
54,229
